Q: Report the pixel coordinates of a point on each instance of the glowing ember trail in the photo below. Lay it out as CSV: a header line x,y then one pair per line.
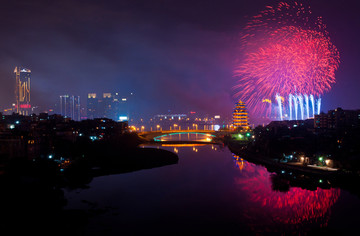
x,y
285,53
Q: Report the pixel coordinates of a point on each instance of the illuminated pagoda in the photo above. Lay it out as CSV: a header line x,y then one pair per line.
x,y
22,90
240,116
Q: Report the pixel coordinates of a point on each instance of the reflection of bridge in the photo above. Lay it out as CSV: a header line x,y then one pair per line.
x,y
154,135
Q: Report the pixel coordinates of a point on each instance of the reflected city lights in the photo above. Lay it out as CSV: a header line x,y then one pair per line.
x,y
182,145
239,162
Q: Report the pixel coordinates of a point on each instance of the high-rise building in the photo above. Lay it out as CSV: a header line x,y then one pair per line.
x,y
106,107
70,106
240,116
92,106
22,90
109,105
121,107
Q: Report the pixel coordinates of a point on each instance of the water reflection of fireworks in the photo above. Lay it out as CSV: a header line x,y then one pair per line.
x,y
296,208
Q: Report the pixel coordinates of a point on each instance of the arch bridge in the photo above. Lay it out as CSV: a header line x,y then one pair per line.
x,y
156,135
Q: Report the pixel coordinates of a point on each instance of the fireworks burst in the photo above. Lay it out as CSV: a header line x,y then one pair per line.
x,y
285,51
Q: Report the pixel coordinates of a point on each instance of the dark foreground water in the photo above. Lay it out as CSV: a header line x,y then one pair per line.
x,y
210,192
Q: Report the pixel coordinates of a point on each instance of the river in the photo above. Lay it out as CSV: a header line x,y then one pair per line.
x,y
210,192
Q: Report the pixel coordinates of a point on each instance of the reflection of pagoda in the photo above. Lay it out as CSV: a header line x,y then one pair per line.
x,y
240,116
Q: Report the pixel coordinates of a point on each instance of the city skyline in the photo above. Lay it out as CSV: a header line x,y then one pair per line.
x,y
179,117
175,55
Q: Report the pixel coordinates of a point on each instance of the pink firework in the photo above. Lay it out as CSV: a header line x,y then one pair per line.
x,y
284,52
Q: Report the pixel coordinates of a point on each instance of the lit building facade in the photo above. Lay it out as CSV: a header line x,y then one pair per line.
x,y
240,116
70,107
107,105
92,106
22,90
337,119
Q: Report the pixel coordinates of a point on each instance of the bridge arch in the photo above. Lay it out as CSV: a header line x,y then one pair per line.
x,y
157,138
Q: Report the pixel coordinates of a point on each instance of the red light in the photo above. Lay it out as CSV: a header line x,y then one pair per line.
x,y
25,106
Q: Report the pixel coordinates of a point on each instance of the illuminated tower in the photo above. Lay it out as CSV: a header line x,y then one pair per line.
x,y
70,107
240,116
22,90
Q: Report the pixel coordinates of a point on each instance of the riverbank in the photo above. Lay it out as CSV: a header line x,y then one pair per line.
x,y
115,161
81,171
241,150
134,160
310,175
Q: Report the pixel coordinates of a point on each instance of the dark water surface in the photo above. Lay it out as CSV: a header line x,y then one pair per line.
x,y
211,192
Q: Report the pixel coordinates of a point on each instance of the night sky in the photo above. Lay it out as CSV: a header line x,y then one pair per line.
x,y
173,55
